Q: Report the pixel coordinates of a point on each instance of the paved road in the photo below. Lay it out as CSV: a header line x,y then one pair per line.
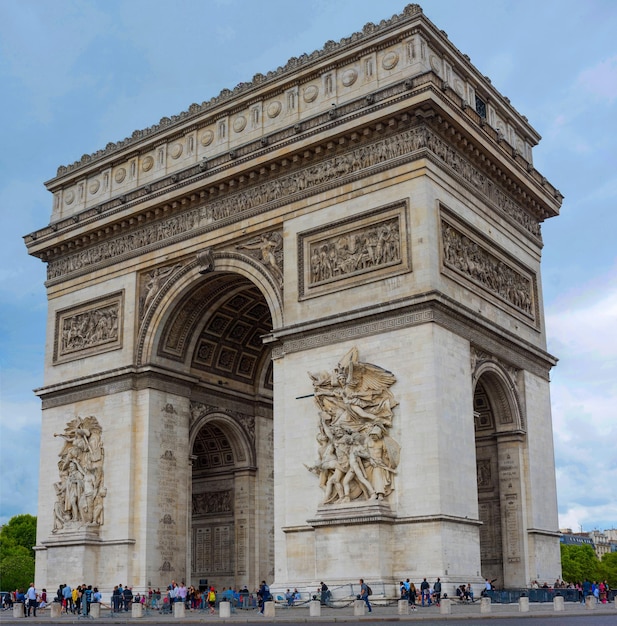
x,y
462,615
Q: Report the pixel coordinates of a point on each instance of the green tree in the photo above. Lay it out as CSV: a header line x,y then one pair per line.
x,y
17,539
607,569
21,531
579,563
16,570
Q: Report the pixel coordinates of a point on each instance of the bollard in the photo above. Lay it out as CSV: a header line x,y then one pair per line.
x,y
224,609
445,607
18,609
268,609
314,608
179,610
403,607
56,609
523,604
137,610
95,610
590,602
559,603
485,605
359,607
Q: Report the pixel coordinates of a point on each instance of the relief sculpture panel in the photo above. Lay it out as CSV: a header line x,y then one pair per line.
x,y
368,246
80,491
468,258
357,456
90,328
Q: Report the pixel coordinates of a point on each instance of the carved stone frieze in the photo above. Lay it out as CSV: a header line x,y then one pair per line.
x,y
80,491
475,262
300,183
213,503
357,457
90,328
365,247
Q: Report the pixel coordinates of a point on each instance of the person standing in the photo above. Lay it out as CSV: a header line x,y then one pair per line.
x,y
364,594
437,591
31,599
264,595
67,598
425,591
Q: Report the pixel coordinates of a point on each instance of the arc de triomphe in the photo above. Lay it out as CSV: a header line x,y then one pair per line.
x,y
296,333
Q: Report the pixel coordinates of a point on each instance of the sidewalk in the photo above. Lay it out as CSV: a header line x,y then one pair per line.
x,y
345,614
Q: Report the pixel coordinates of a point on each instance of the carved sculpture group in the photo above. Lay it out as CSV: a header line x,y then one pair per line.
x,y
80,491
357,456
355,251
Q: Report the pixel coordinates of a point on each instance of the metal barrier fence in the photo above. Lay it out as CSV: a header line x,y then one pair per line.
x,y
509,596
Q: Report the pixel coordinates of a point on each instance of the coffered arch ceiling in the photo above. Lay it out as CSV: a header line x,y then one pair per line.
x,y
216,330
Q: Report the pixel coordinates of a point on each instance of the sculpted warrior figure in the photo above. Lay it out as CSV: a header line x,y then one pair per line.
x,y
268,244
357,457
80,490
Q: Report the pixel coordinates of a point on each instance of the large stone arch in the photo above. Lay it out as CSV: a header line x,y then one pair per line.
x,y
500,452
190,275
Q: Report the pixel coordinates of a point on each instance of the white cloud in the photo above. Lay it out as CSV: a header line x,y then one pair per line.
x,y
600,80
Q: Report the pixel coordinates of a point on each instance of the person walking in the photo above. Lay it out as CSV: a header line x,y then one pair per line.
x,y
364,594
31,599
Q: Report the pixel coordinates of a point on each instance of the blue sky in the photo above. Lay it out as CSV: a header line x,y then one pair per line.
x,y
77,74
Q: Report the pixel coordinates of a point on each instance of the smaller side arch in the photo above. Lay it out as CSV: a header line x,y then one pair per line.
x,y
503,395
240,439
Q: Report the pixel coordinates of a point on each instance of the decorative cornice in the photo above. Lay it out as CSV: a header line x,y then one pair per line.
x,y
433,307
294,64
399,146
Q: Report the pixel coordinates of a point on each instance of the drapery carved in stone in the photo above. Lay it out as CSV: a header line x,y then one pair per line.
x,y
90,328
151,283
268,249
357,456
80,491
468,258
298,183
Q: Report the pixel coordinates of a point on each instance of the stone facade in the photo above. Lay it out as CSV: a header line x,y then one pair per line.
x,y
270,282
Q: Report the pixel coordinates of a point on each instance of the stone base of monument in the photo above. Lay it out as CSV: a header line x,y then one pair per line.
x,y
224,609
445,607
179,610
403,607
359,607
485,605
314,608
137,609
559,603
95,610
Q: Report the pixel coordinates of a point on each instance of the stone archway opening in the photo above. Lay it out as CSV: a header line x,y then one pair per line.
x,y
499,452
215,336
